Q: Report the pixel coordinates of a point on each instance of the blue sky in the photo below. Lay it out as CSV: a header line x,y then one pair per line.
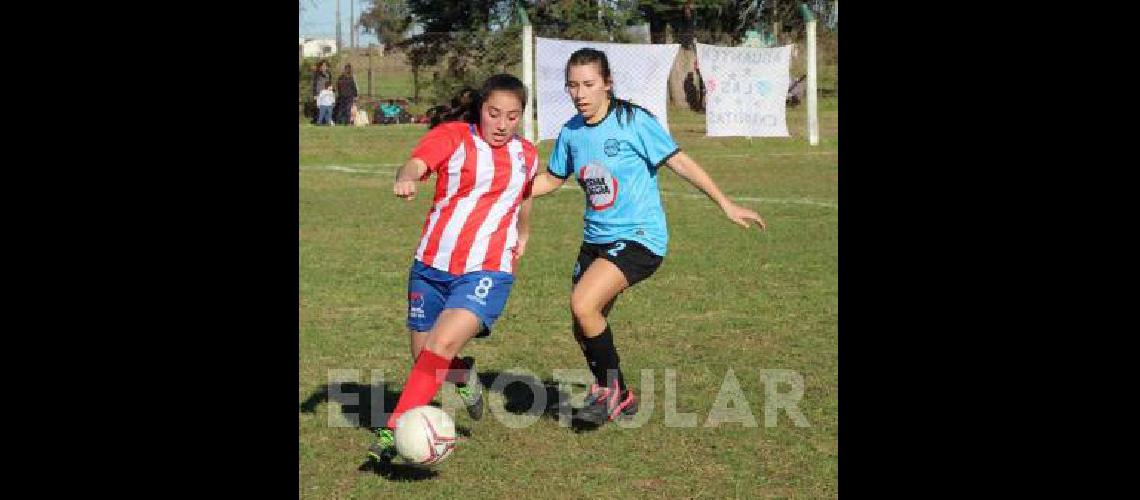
x,y
318,19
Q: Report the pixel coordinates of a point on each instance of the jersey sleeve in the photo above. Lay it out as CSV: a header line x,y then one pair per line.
x,y
561,163
436,147
655,142
531,157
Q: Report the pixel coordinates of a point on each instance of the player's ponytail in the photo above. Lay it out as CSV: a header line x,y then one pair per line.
x,y
459,110
588,55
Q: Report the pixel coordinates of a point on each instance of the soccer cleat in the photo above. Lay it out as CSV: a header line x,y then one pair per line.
x,y
472,391
604,404
384,449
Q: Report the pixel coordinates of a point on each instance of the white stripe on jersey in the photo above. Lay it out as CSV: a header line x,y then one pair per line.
x,y
499,210
513,228
484,174
512,239
454,168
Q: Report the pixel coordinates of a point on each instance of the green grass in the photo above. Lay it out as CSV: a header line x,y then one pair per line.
x,y
386,84
725,298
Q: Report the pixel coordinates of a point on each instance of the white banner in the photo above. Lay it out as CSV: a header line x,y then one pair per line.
x,y
640,74
745,90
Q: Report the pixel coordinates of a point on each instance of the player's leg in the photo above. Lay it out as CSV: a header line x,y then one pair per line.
x,y
452,329
416,341
600,285
619,265
587,253
485,295
460,367
581,338
461,373
427,298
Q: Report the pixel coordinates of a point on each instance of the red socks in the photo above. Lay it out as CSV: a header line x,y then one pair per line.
x,y
457,371
426,377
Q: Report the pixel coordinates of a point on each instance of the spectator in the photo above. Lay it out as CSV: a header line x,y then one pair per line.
x,y
391,112
359,116
321,77
325,104
345,95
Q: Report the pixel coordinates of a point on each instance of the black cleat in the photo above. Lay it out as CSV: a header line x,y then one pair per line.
x,y
605,404
384,449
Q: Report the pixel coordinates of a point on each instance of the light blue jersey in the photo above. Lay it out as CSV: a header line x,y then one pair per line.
x,y
617,168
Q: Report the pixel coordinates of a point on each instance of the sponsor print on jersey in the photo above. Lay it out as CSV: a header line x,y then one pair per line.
x,y
600,186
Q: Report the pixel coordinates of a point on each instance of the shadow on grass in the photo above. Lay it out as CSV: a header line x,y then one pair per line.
x,y
362,406
526,395
393,471
368,407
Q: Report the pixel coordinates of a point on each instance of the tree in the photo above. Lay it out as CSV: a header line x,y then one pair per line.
x,y
705,21
584,20
467,40
389,20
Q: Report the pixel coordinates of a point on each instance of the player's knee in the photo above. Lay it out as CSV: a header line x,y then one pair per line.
x,y
583,308
444,346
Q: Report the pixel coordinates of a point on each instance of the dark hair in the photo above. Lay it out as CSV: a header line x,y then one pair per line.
x,y
465,105
501,82
588,55
456,112
463,98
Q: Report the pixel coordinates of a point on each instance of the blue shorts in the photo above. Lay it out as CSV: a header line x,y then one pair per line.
x,y
430,291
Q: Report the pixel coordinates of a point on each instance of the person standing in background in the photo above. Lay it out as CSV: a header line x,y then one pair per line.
x,y
325,103
321,78
345,95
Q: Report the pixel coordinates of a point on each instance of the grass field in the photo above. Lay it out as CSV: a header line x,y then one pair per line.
x,y
724,299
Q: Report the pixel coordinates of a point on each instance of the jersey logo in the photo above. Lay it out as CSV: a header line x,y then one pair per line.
x,y
613,146
416,305
600,185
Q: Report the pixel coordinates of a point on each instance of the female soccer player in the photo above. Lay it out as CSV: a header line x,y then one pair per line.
x,y
616,148
475,232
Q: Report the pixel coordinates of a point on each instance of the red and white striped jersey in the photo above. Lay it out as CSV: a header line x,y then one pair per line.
x,y
473,222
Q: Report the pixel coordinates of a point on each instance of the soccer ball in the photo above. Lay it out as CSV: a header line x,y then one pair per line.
x,y
425,435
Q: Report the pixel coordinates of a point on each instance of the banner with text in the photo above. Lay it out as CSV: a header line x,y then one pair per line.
x,y
745,90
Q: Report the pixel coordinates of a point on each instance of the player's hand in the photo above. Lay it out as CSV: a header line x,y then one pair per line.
x,y
741,215
405,190
521,248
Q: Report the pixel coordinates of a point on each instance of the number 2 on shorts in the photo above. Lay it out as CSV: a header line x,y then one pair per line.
x,y
619,246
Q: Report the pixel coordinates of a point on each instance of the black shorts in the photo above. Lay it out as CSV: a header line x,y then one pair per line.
x,y
634,260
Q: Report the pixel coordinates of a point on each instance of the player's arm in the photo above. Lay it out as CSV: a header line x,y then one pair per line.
x,y
406,179
558,169
544,183
692,172
524,226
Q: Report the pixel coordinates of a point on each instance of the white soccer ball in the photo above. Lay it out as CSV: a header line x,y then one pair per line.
x,y
425,435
